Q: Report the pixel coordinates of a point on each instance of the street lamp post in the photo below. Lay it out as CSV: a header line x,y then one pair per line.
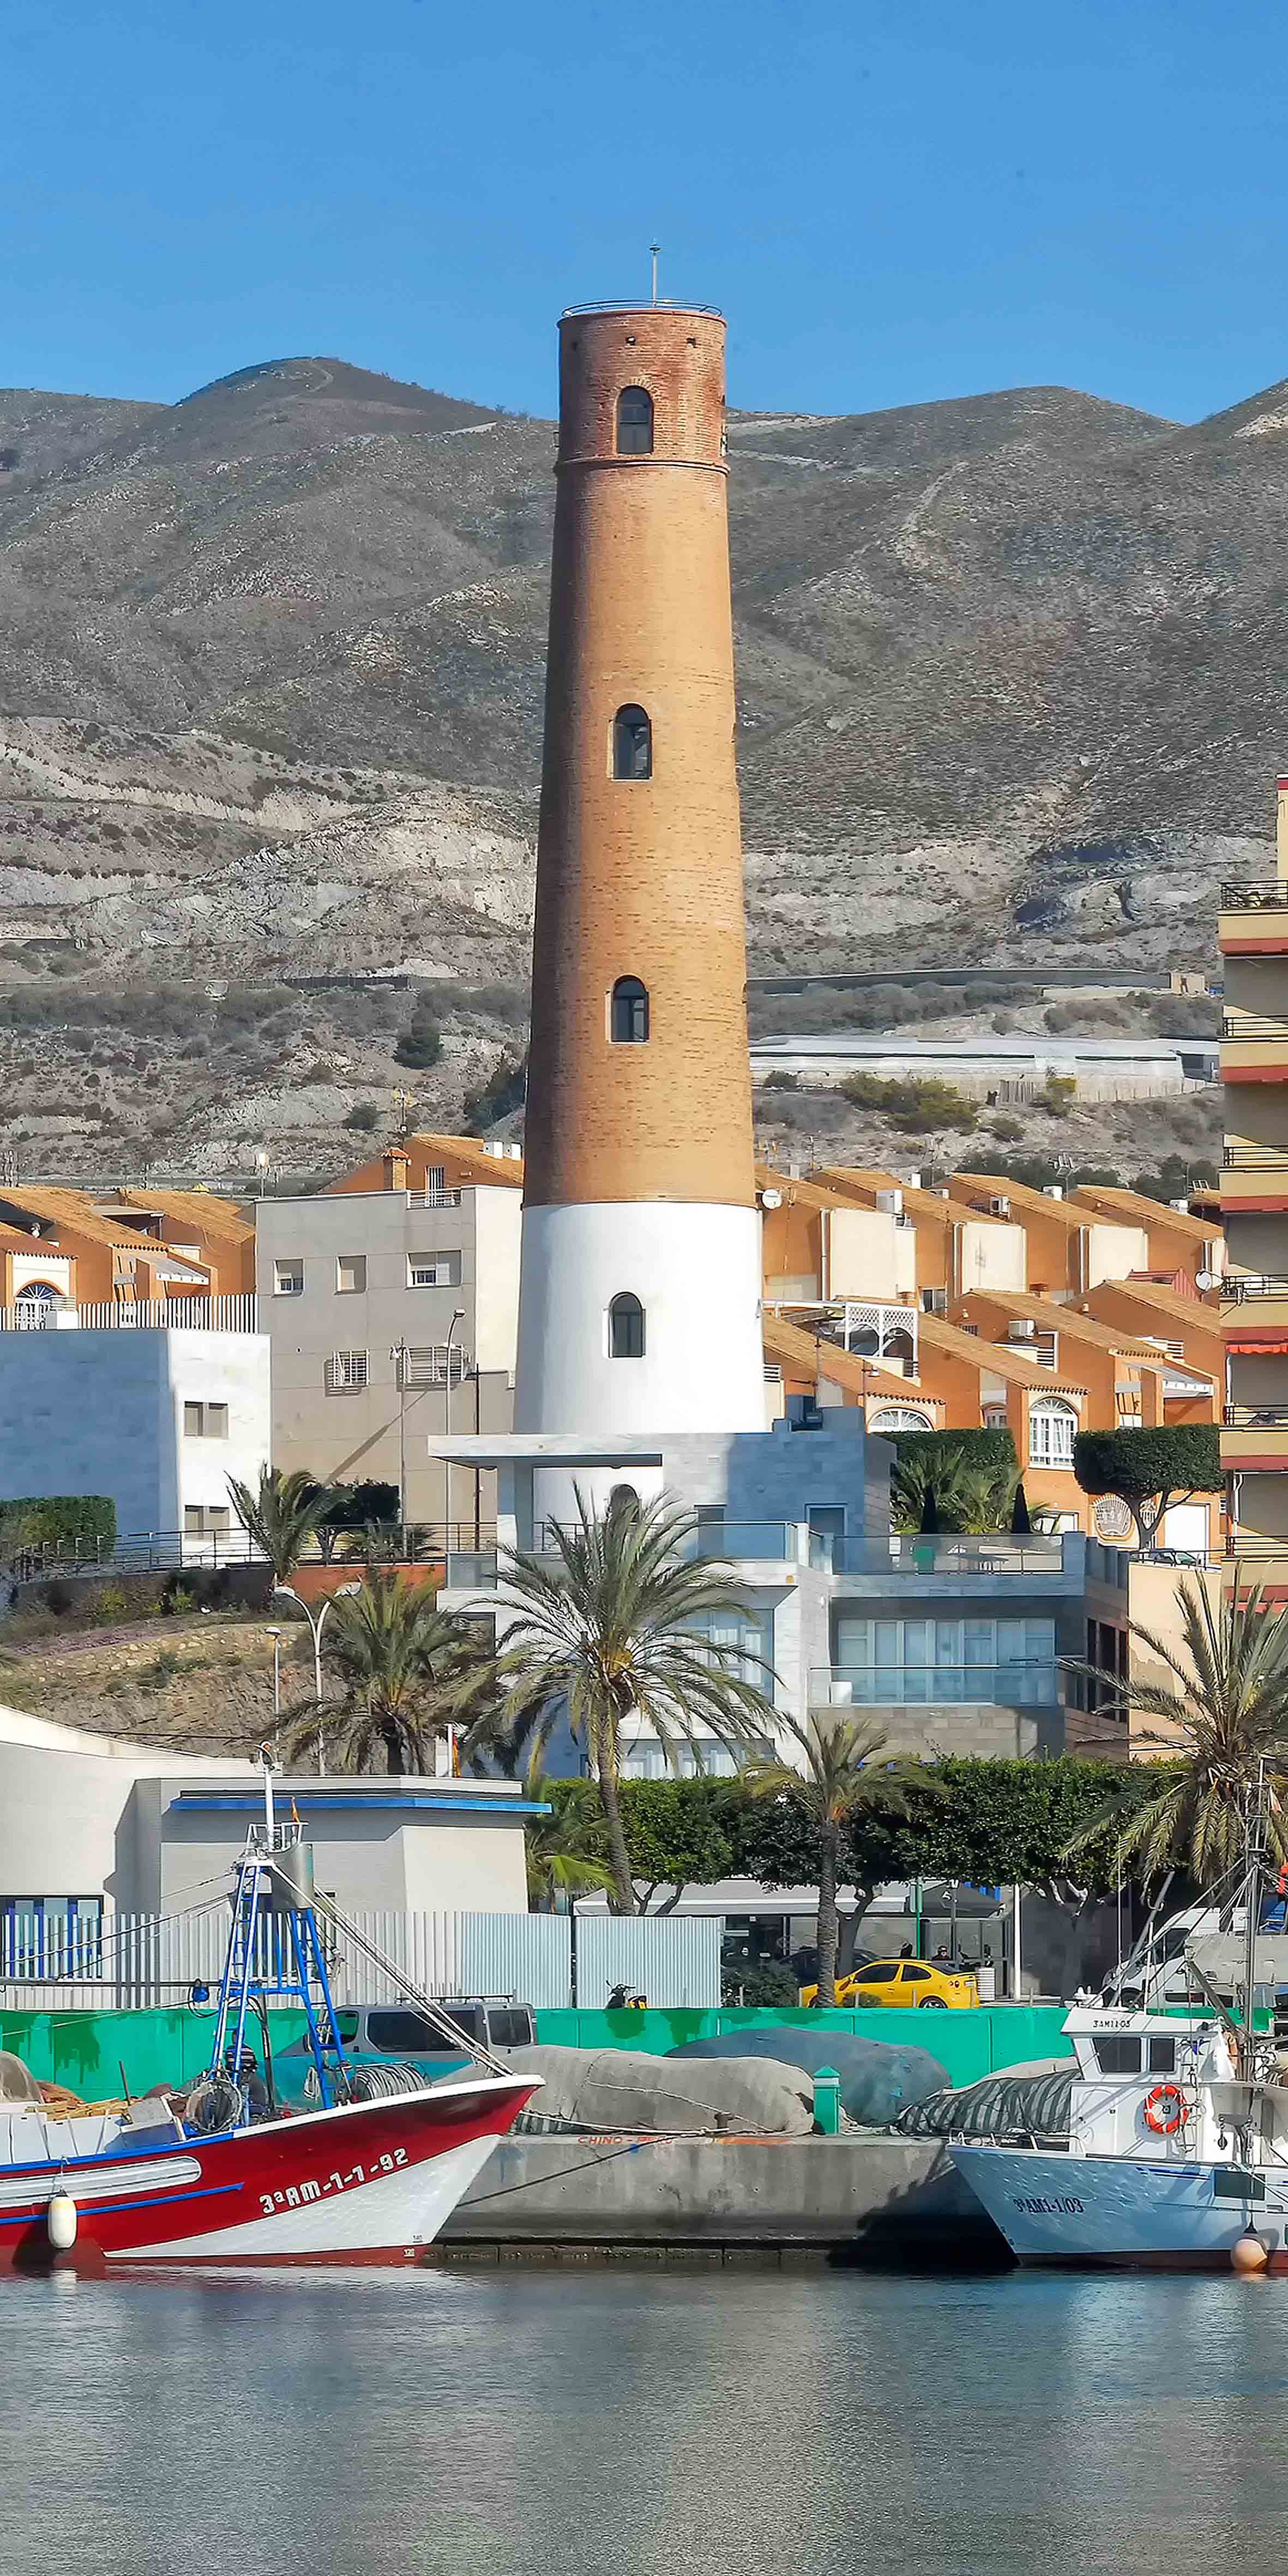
x,y
343,1592
458,1318
276,1635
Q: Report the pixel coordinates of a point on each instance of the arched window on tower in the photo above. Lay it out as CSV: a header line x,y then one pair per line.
x,y
632,744
626,1328
634,421
628,1017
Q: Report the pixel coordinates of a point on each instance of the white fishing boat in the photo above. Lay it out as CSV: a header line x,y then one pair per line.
x,y
1176,2151
1174,2148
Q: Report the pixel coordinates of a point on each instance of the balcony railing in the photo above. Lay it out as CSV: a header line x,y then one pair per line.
x,y
472,1570
1251,1024
1256,1417
777,1542
436,1198
1254,894
1255,1158
950,1555
1018,1685
1245,1291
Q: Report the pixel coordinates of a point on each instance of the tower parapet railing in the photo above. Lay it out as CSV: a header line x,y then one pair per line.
x,y
640,304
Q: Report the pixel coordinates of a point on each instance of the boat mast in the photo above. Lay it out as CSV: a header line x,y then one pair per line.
x,y
1252,1890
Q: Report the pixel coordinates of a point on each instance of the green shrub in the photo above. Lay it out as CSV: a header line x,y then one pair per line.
x,y
916,1108
420,1045
79,1524
364,1115
991,1452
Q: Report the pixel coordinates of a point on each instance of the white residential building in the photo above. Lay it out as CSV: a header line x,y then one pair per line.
x,y
156,1417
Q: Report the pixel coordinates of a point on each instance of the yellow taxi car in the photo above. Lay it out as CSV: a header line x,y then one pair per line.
x,y
905,1984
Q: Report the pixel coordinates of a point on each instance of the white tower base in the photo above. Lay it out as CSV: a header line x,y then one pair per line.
x,y
696,1273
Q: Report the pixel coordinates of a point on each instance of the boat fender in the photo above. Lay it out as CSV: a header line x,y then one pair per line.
x,y
60,2220
1165,2110
1250,2254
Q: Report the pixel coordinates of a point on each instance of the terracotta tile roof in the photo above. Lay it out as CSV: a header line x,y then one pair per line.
x,y
499,1171
203,1210
74,1210
1128,1207
849,1183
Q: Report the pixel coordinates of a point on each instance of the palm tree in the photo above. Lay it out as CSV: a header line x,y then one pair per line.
x,y
560,1863
965,1496
846,1775
408,1673
1223,1715
614,1631
281,1514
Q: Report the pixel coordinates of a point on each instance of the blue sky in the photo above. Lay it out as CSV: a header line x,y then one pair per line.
x,y
893,200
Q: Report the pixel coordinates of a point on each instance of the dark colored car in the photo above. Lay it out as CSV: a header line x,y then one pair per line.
x,y
396,2034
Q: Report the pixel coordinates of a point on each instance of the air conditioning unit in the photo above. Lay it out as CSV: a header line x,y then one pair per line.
x,y
999,1207
890,1202
1052,1190
1182,1206
1021,1329
934,1301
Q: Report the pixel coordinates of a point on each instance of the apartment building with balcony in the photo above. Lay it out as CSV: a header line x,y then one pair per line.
x,y
199,1225
1254,1193
954,1645
390,1302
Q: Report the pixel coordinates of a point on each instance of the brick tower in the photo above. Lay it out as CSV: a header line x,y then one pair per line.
x,y
639,1301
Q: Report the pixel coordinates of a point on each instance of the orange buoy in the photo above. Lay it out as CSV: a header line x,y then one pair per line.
x,y
1249,2254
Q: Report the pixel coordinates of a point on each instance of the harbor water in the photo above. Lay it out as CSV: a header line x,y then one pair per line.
x,y
668,2423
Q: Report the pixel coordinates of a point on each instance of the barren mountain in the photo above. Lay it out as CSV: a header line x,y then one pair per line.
x,y
1009,695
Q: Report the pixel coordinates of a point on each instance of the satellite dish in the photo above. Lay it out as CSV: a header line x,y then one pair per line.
x,y
771,1198
1206,1279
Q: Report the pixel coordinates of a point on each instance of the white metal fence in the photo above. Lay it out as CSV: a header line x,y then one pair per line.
x,y
195,1314
142,1960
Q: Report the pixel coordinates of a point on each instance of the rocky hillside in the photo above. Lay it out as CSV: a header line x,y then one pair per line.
x,y
1009,695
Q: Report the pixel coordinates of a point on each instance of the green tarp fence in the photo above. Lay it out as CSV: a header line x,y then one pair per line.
x,y
88,2050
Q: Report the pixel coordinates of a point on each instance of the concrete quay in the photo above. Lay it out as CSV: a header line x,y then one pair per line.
x,y
646,2197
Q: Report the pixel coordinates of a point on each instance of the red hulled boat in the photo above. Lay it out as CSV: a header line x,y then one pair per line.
x,y
221,2175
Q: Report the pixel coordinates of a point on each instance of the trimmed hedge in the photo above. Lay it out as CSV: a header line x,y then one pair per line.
x,y
991,1450
79,1523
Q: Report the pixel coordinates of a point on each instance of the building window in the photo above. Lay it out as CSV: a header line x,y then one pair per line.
x,y
1051,1434
429,1364
435,1270
34,1305
996,1417
205,1520
205,1421
628,1018
626,1328
346,1372
288,1279
632,744
899,1417
350,1273
907,1663
634,421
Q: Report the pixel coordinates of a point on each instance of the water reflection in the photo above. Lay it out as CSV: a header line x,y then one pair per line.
x,y
696,2424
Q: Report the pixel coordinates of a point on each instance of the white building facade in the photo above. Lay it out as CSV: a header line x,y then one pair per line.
x,y
155,1417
